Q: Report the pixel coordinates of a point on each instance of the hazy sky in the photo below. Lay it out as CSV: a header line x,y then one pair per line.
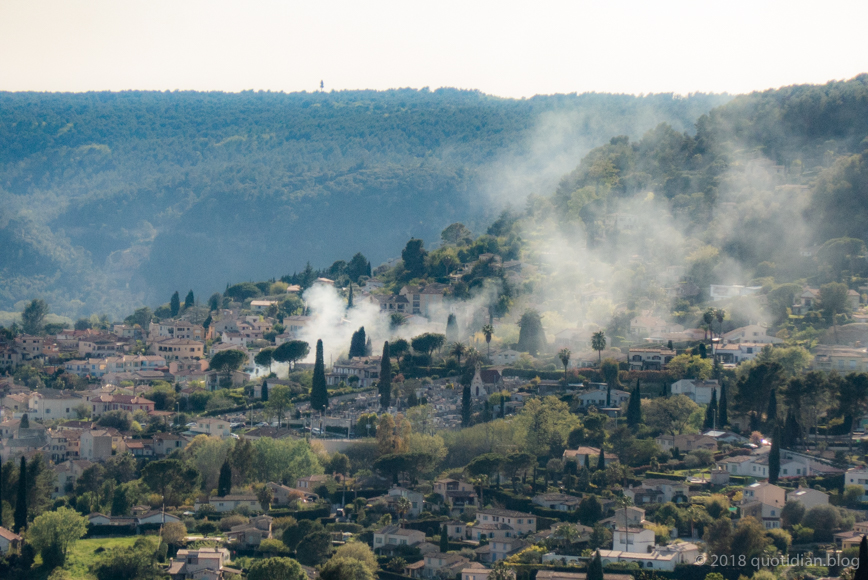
x,y
504,48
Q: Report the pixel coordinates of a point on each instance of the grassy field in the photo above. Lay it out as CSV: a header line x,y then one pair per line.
x,y
82,556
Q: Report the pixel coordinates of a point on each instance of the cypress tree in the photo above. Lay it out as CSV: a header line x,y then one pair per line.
x,y
722,418
711,411
775,456
587,462
451,329
189,300
224,482
601,460
703,353
595,568
25,422
862,569
319,396
791,430
175,304
369,347
357,343
634,407
264,391
444,540
630,405
465,406
386,377
772,411
21,500
350,298
531,336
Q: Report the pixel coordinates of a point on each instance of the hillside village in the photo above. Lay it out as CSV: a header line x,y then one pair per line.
x,y
659,370
438,447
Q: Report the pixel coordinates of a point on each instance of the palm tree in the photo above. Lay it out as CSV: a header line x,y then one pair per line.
x,y
480,481
693,513
719,314
402,506
457,350
488,331
598,343
623,501
472,356
564,355
708,318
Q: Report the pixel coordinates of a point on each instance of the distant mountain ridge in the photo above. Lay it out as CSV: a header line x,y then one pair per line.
x,y
111,200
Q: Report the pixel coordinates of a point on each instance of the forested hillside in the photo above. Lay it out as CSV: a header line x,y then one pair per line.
x,y
110,200
771,189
